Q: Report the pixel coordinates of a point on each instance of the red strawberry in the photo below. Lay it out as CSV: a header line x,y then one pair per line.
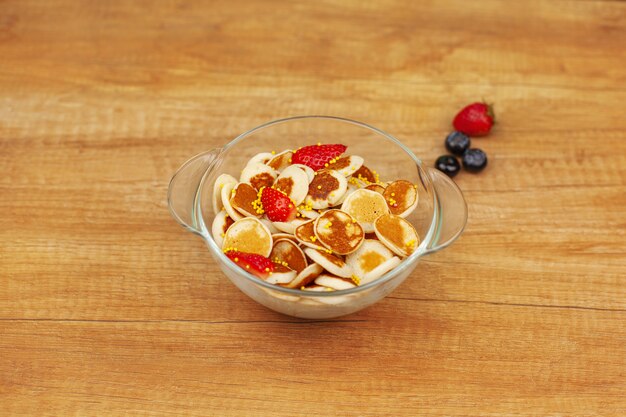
x,y
255,264
317,156
475,119
277,206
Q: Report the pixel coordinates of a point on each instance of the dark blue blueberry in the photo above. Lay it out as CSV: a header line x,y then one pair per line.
x,y
474,160
448,164
457,143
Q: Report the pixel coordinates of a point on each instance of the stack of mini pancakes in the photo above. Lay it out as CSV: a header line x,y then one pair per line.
x,y
350,227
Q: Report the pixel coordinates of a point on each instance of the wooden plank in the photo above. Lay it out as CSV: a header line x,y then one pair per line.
x,y
108,307
406,358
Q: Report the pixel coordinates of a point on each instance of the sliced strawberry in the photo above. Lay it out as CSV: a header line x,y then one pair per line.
x,y
254,263
317,156
475,119
277,206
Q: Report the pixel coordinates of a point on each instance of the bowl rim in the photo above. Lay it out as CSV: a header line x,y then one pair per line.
x,y
406,263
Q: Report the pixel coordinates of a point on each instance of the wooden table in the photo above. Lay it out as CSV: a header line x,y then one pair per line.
x,y
107,306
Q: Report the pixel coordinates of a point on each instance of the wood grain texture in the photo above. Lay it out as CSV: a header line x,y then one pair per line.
x,y
107,307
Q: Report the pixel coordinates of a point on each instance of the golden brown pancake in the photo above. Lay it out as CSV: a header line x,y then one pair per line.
x,y
331,263
401,197
346,165
338,231
336,283
263,157
243,198
397,234
248,235
284,184
365,206
288,227
281,235
326,189
305,233
294,182
262,179
217,190
370,256
228,189
258,175
286,251
376,187
307,170
281,275
365,175
220,225
380,270
340,163
281,161
306,276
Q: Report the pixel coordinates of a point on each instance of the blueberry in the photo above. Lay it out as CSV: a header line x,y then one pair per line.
x,y
448,164
474,160
457,143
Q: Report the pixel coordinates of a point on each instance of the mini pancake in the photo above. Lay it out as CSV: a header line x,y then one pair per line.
x,y
376,187
248,235
308,214
307,170
336,283
397,234
281,235
306,276
281,275
258,175
305,211
217,190
294,182
401,197
365,206
331,263
365,176
227,193
349,190
288,227
281,161
347,165
244,200
326,189
262,157
220,225
305,233
270,226
338,231
286,250
380,270
368,257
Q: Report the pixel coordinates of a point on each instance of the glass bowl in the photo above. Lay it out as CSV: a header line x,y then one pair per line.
x,y
439,218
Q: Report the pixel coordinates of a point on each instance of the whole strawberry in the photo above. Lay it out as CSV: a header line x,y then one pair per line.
x,y
475,119
317,156
254,263
277,205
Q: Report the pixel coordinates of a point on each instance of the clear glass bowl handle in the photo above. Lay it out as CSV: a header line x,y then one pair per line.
x,y
451,214
183,192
